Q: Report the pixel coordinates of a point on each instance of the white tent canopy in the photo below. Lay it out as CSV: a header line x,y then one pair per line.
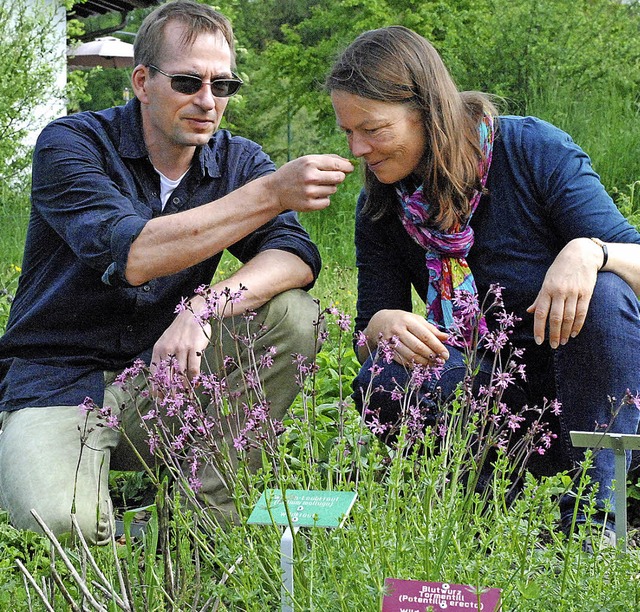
x,y
108,51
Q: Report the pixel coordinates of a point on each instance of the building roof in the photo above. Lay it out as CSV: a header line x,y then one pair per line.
x,y
100,7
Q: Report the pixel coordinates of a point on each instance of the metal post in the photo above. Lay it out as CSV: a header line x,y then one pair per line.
x,y
620,491
286,566
619,443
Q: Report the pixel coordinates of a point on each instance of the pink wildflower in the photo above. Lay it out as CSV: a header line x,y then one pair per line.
x,y
112,422
496,341
375,426
513,421
183,305
154,442
240,443
375,370
555,407
130,373
361,339
633,400
178,442
344,322
387,348
152,414
195,484
503,379
87,406
397,394
266,359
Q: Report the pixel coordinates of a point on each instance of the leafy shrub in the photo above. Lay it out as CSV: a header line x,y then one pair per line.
x,y
31,60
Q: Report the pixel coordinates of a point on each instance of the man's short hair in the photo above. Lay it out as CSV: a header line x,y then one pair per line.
x,y
197,19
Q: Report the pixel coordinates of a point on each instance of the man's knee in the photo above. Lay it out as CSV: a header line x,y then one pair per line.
x,y
51,506
292,320
45,467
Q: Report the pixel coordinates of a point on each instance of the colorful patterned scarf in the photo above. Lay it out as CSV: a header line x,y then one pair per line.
x,y
450,277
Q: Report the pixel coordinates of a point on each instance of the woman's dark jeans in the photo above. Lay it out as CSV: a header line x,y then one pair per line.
x,y
590,376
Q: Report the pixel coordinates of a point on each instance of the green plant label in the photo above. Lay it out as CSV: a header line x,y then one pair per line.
x,y
415,596
302,508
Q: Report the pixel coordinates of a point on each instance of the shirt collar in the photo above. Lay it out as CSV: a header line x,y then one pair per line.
x,y
131,137
208,161
132,141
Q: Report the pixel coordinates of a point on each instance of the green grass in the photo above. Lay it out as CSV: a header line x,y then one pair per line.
x,y
14,216
603,122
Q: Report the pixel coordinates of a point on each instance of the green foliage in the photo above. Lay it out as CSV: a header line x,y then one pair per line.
x,y
14,213
25,547
414,518
109,87
512,48
129,489
76,90
30,58
629,202
604,122
260,23
333,229
559,58
8,284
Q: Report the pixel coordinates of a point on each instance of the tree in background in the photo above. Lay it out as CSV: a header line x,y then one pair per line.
x,y
512,48
31,60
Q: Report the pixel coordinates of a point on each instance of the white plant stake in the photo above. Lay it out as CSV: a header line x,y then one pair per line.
x,y
294,509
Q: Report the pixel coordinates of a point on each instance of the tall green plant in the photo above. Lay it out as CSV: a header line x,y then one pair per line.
x,y
417,516
513,47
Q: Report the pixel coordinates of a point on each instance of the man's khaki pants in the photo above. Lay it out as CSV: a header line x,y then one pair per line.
x,y
45,466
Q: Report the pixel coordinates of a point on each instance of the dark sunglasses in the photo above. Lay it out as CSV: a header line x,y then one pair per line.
x,y
189,84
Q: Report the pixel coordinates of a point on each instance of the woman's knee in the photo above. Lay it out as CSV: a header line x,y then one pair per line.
x,y
613,303
385,388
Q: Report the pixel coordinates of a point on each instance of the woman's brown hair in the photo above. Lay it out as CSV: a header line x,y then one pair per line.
x,y
395,64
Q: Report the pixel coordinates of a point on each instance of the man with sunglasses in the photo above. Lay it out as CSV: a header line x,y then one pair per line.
x,y
132,208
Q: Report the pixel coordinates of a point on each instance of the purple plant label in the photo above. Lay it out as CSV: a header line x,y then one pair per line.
x,y
416,596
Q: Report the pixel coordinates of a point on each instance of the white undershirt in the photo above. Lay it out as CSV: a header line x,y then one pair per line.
x,y
167,186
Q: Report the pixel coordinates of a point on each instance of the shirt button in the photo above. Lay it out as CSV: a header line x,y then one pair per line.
x,y
146,288
129,328
176,200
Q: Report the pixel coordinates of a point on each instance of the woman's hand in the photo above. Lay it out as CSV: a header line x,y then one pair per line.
x,y
418,341
565,294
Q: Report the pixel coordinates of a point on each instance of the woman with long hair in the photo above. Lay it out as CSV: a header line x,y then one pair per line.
x,y
458,200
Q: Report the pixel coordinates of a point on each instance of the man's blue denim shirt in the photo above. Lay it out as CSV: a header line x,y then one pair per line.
x,y
74,315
